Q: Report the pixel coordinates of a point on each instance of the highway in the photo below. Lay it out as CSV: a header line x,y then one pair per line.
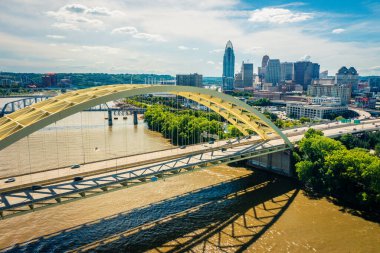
x,y
129,162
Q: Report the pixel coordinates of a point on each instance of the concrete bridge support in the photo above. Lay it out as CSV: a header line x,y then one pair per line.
x,y
280,163
135,119
109,117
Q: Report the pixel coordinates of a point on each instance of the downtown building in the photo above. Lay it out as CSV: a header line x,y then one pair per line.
x,y
194,80
49,80
313,111
374,84
244,79
287,69
228,67
305,72
349,77
330,90
273,72
261,70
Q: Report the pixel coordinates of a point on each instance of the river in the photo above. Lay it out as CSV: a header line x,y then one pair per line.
x,y
223,209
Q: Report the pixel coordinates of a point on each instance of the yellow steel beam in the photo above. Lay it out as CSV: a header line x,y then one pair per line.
x,y
23,122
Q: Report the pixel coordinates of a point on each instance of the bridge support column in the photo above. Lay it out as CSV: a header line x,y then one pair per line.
x,y
279,162
109,117
135,120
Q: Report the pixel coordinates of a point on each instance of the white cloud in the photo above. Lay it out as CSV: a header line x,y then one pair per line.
x,y
66,26
101,11
216,51
106,49
375,68
188,48
82,9
58,37
130,30
149,37
207,24
75,8
125,30
211,62
278,16
338,31
77,16
305,58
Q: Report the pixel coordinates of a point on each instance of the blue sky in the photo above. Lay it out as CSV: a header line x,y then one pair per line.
x,y
170,36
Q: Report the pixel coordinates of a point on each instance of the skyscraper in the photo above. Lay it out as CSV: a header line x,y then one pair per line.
x,y
305,72
273,72
348,77
228,67
262,70
244,79
264,62
247,74
286,71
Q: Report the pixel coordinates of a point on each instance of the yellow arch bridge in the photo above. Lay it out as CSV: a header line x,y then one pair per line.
x,y
24,122
22,197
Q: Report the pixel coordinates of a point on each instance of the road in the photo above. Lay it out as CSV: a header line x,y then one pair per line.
x,y
362,114
136,161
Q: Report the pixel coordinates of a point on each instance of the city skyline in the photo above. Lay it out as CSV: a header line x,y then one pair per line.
x,y
167,37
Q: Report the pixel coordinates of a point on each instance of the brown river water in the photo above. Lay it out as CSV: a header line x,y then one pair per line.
x,y
223,209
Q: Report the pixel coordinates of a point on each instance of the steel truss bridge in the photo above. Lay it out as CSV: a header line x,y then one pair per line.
x,y
21,123
262,138
21,103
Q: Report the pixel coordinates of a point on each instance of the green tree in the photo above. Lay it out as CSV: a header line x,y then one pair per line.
x,y
304,120
312,132
326,166
353,175
377,149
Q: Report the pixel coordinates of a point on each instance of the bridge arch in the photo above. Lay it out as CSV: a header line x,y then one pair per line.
x,y
24,122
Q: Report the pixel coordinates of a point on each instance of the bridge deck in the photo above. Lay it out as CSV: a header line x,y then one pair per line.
x,y
25,200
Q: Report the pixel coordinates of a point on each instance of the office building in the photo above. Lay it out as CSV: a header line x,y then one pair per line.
x,y
238,82
365,101
305,72
331,90
264,62
262,70
244,79
286,71
247,74
189,80
324,74
374,84
325,101
228,67
298,110
348,77
49,80
273,72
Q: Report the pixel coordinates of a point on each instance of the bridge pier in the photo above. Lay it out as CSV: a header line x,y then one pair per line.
x,y
135,120
279,163
109,117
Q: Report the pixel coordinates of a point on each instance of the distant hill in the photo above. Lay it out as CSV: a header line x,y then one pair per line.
x,y
86,79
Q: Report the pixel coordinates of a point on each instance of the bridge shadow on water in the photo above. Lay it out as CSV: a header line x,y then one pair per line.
x,y
225,217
